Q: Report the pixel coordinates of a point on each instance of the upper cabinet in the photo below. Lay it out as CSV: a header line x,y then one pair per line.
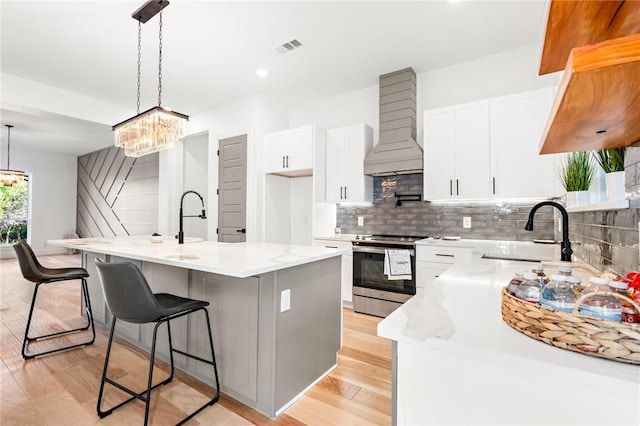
x,y
597,104
456,152
290,152
346,149
516,124
489,149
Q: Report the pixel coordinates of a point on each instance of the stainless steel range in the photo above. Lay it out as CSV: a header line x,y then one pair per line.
x,y
373,292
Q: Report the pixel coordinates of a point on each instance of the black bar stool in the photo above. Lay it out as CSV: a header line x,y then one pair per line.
x,y
33,271
130,299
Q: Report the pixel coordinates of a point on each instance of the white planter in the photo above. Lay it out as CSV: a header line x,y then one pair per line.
x,y
615,186
577,198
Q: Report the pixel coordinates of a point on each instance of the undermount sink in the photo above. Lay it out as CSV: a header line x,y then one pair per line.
x,y
182,257
514,257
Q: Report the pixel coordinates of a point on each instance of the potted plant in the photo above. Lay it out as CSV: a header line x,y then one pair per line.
x,y
612,162
576,175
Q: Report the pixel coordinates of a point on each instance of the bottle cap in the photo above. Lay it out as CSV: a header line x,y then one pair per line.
x,y
619,284
598,280
564,269
538,268
530,276
556,277
573,279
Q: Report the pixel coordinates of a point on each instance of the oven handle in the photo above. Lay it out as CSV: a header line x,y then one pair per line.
x,y
377,250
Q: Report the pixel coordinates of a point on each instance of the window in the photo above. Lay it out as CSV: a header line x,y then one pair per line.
x,y
14,213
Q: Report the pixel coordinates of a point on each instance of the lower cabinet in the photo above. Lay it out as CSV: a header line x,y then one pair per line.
x,y
432,261
347,266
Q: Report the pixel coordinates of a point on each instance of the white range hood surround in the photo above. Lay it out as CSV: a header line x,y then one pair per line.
x,y
397,151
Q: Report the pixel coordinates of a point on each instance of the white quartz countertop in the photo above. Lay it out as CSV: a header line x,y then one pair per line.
x,y
232,259
459,314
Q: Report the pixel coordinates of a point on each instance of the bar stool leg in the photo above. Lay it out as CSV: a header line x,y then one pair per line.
x,y
88,310
104,372
213,358
26,331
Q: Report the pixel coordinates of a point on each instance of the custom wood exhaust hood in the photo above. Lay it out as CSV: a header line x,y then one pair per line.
x,y
598,101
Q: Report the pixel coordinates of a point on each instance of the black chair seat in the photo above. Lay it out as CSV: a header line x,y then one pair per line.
x,y
63,274
129,298
33,271
173,304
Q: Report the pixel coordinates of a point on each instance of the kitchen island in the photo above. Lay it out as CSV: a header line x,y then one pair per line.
x,y
268,354
457,362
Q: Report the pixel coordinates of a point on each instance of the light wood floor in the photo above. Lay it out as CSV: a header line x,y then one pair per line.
x,y
61,389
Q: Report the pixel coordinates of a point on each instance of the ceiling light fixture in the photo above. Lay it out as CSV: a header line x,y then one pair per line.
x,y
9,177
262,73
157,128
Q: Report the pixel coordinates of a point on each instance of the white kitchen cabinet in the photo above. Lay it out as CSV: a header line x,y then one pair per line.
x,y
517,123
289,152
489,149
438,154
347,266
346,149
456,152
432,261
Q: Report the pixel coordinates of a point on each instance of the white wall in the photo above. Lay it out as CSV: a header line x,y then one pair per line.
x,y
53,181
501,74
254,116
195,177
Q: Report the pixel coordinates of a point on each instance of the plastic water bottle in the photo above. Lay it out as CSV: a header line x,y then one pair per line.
x,y
601,306
530,288
557,295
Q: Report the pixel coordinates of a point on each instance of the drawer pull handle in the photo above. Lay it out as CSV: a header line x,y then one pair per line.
x,y
445,255
331,247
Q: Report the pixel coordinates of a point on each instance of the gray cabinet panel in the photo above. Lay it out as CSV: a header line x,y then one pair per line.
x,y
307,335
233,311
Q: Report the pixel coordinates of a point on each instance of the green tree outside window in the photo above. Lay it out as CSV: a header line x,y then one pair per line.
x,y
14,212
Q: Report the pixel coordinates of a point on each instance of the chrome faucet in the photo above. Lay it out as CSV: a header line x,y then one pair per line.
x,y
201,216
565,248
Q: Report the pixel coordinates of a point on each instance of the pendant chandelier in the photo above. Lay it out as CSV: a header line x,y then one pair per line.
x,y
157,128
9,177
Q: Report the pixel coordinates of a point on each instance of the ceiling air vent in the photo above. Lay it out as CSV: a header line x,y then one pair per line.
x,y
289,46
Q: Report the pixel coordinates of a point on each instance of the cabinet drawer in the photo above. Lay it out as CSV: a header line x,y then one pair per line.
x,y
332,244
449,255
427,272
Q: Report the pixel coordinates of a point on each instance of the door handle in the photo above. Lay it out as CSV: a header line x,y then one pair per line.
x,y
241,231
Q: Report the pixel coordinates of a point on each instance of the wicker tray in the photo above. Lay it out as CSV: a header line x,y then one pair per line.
x,y
612,340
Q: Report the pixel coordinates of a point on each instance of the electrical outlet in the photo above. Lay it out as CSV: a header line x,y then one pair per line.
x,y
466,222
285,300
360,220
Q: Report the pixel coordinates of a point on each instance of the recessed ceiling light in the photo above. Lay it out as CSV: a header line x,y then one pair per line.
x,y
262,73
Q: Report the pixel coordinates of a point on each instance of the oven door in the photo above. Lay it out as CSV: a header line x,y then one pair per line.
x,y
368,271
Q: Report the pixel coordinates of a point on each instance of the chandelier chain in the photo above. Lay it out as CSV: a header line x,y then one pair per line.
x,y
139,60
160,63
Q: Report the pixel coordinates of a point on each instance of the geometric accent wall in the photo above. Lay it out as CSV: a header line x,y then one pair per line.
x,y
117,195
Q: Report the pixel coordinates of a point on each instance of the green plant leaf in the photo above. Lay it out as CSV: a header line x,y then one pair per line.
x,y
577,171
611,159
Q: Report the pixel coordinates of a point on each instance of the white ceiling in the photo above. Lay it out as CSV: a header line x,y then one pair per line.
x,y
212,49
